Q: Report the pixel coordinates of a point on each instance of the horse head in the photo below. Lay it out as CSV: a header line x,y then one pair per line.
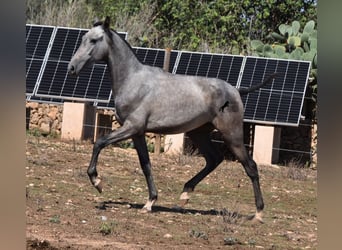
x,y
93,48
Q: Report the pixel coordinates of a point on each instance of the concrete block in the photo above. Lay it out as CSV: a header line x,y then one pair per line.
x,y
174,143
265,139
78,121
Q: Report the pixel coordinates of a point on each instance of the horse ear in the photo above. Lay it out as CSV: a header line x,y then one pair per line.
x,y
106,23
96,20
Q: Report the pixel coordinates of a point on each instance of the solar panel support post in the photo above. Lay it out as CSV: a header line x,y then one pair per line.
x,y
103,124
78,121
166,67
266,138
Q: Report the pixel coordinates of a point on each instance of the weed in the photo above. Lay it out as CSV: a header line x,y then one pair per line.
x,y
150,147
125,144
129,144
34,132
230,241
107,228
55,219
194,233
53,135
189,157
296,171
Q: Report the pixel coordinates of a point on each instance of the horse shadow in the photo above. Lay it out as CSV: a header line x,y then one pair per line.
x,y
175,209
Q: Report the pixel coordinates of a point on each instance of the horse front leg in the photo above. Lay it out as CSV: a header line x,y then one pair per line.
x,y
123,133
144,159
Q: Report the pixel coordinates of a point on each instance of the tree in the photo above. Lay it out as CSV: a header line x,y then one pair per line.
x,y
71,13
215,26
225,26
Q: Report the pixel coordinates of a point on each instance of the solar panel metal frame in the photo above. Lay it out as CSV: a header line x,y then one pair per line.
x,y
98,67
269,89
45,100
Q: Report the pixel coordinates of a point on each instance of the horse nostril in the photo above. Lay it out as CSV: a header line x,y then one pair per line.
x,y
71,69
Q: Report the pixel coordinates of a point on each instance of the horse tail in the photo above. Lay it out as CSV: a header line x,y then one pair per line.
x,y
245,91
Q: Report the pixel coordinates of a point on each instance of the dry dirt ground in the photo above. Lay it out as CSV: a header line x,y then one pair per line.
x,y
64,211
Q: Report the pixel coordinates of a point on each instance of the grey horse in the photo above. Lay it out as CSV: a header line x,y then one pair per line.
x,y
148,99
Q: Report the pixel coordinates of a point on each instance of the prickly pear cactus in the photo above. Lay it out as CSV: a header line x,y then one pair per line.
x,y
291,42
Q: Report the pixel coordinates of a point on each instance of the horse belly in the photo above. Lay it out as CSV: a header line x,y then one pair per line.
x,y
173,122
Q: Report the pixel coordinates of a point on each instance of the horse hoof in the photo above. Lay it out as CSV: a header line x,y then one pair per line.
x,y
145,210
182,203
98,185
184,199
148,206
257,218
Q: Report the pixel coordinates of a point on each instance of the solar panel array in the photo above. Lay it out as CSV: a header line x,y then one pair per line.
x,y
49,50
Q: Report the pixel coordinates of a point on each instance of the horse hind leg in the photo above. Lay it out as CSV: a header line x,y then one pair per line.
x,y
201,139
233,136
252,171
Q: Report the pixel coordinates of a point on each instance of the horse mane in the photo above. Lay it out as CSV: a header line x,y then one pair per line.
x,y
109,33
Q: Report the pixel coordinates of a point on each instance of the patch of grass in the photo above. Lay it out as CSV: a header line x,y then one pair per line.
x,y
194,233
230,217
125,144
296,171
55,219
34,132
107,228
231,241
53,135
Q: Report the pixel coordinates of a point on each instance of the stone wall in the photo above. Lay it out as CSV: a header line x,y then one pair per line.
x,y
45,118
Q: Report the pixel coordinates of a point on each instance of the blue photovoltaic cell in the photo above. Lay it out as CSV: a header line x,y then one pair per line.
x,y
37,42
225,67
154,57
281,101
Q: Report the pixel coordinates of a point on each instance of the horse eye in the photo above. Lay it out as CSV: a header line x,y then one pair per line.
x,y
93,41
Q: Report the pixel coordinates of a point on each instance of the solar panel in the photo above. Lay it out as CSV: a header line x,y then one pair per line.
x,y
92,84
154,57
109,105
281,101
38,39
225,67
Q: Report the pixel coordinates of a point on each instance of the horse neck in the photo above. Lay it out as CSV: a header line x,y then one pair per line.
x,y
122,62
